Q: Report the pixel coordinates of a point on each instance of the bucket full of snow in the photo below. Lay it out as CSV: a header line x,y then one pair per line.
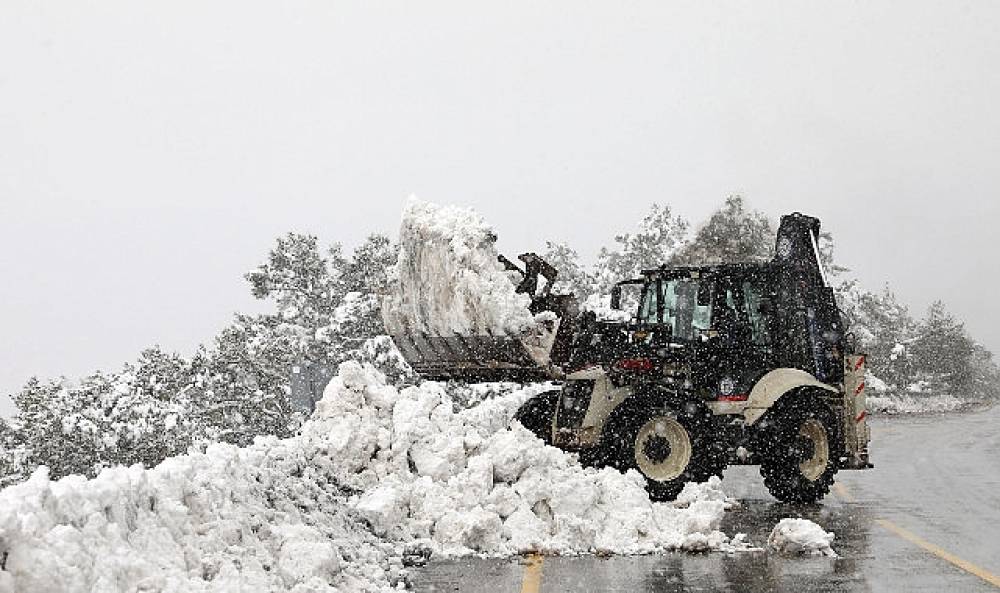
x,y
453,310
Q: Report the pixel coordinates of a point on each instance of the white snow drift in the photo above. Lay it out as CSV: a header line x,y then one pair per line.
x,y
374,472
448,280
801,537
913,399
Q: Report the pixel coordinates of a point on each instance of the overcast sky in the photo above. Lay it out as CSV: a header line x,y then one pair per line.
x,y
150,152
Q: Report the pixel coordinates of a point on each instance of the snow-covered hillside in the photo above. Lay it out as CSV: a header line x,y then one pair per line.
x,y
375,475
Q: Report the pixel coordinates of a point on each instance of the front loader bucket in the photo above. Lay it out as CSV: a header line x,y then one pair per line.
x,y
455,310
472,358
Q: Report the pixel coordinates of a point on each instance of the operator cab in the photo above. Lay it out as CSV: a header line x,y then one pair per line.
x,y
713,325
732,302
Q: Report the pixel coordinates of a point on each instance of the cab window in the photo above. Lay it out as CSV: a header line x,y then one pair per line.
x,y
674,304
759,322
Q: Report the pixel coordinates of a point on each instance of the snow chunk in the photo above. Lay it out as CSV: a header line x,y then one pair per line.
x,y
384,507
448,280
801,537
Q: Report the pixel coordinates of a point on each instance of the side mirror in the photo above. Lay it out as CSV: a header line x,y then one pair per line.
x,y
616,297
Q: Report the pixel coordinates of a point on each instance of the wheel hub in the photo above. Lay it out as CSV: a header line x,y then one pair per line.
x,y
662,449
805,448
814,449
656,448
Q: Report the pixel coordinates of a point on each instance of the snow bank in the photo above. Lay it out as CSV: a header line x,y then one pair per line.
x,y
376,473
448,280
886,400
801,537
254,519
906,404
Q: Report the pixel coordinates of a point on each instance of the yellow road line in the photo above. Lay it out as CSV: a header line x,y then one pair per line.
x,y
941,553
532,580
926,545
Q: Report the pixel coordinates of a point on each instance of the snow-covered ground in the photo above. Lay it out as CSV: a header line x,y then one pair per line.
x,y
375,475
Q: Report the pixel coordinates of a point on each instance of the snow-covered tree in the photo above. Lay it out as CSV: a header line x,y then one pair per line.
x,y
573,276
369,266
659,236
366,277
144,414
942,348
880,326
983,379
39,417
326,303
732,234
327,312
241,384
136,415
834,270
304,283
13,454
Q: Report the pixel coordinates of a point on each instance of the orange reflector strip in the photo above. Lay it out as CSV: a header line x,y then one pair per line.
x,y
636,364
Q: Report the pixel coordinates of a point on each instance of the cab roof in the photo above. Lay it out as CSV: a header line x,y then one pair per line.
x,y
713,270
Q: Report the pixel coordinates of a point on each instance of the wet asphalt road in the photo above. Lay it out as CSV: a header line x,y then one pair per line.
x,y
927,518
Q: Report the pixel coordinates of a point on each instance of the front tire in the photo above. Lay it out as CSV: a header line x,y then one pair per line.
x,y
801,452
670,448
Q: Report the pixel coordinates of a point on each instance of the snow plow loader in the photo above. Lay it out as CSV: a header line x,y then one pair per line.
x,y
713,365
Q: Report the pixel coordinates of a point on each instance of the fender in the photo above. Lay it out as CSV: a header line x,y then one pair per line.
x,y
604,399
773,385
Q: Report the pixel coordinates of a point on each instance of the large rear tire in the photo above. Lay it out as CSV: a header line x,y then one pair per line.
x,y
537,414
670,448
801,450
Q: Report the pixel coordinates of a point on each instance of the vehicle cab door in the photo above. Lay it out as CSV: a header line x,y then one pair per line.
x,y
743,329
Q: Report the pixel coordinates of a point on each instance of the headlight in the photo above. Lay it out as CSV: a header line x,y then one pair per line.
x,y
727,386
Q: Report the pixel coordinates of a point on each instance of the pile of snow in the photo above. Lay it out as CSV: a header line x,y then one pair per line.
x,y
448,279
907,404
801,537
260,518
463,482
883,399
375,474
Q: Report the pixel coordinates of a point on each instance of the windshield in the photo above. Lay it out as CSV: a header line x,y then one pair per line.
x,y
675,305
